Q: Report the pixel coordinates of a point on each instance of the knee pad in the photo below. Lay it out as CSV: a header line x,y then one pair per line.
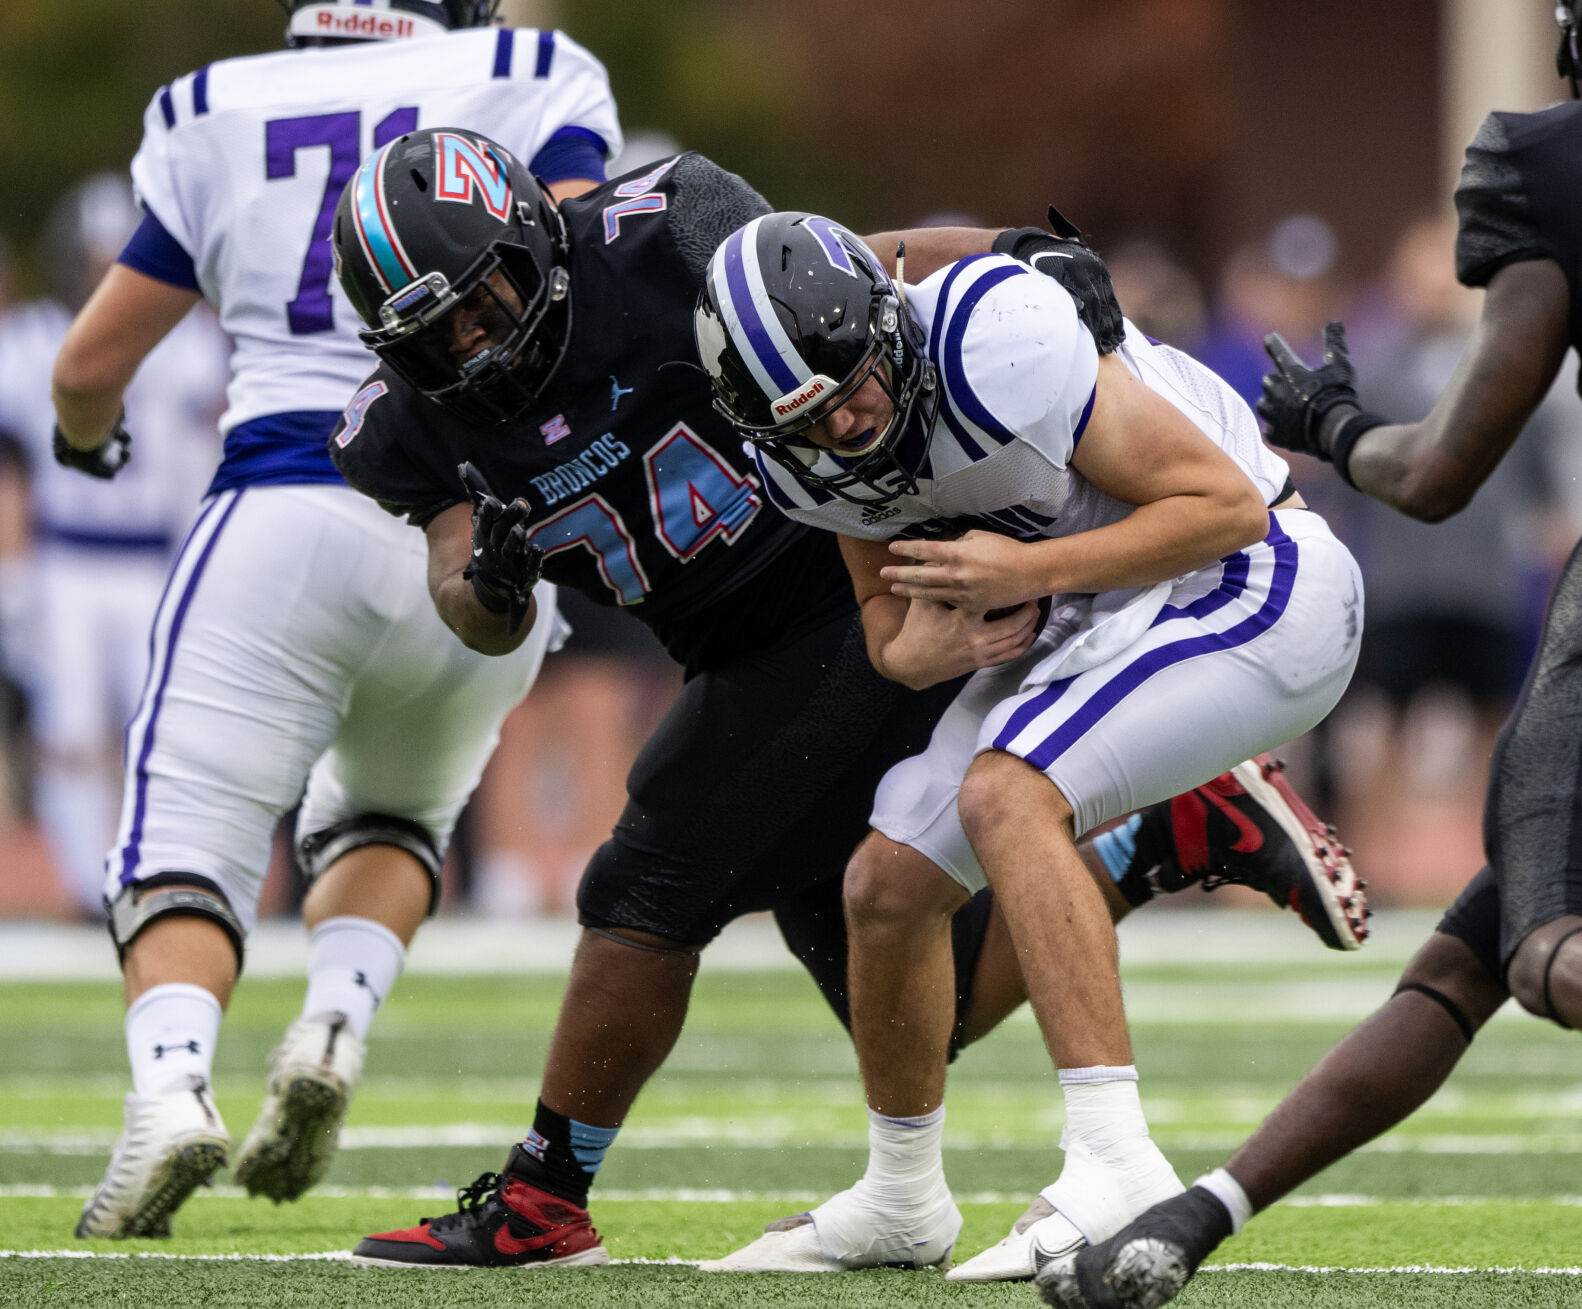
x,y
317,851
166,895
1532,978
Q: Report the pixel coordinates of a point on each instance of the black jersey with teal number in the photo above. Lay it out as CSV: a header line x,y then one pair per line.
x,y
641,494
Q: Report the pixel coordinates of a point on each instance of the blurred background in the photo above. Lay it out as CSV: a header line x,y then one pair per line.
x,y
1244,167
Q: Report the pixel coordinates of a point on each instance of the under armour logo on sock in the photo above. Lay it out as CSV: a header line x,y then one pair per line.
x,y
161,1050
361,978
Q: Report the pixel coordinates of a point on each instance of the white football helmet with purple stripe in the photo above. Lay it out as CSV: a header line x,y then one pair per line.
x,y
317,22
795,315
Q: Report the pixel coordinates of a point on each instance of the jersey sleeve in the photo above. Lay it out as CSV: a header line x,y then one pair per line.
x,y
155,177
709,205
1497,225
368,447
1015,360
580,97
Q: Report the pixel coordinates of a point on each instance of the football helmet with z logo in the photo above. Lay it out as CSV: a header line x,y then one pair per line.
x,y
456,259
314,22
795,315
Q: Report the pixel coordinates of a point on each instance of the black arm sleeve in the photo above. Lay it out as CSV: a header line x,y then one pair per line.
x,y
1498,226
710,204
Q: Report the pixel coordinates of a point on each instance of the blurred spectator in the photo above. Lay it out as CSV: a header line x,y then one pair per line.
x,y
1158,293
1283,283
98,551
1448,608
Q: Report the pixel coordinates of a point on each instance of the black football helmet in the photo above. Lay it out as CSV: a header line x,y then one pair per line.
x,y
1568,59
312,21
794,316
446,221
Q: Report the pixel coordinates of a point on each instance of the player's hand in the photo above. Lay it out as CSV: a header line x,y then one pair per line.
x,y
505,566
1071,262
1297,399
980,572
104,461
938,642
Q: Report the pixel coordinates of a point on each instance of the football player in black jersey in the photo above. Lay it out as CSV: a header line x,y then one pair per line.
x,y
534,415
1517,928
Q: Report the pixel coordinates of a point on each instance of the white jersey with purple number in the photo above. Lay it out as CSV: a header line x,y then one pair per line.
x,y
295,653
171,406
1017,371
1127,697
242,164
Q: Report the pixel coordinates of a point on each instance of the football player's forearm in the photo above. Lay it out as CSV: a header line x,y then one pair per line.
x,y
126,317
1431,469
928,249
85,418
1167,538
475,627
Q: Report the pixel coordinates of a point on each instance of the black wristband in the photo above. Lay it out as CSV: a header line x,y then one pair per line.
x,y
1348,429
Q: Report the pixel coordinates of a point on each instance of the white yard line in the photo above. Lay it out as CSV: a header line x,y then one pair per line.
x,y
720,1195
775,1133
32,951
342,1256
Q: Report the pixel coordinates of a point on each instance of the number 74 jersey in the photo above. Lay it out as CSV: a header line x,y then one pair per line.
x,y
639,492
243,161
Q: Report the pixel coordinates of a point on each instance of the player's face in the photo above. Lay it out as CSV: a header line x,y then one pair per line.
x,y
859,424
483,319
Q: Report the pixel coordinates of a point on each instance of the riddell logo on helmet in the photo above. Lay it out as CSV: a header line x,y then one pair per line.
x,y
788,404
331,23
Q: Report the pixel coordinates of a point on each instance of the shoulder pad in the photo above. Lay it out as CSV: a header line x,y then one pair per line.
x,y
1497,223
710,204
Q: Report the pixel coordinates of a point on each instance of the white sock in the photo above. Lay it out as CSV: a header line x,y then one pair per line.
x,y
352,965
905,1160
170,1033
1104,1114
1227,1190
1103,1109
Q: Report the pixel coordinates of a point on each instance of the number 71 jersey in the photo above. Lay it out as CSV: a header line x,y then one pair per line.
x,y
243,161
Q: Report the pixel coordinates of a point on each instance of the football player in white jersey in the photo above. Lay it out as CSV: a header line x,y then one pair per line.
x,y
98,554
295,644
1145,599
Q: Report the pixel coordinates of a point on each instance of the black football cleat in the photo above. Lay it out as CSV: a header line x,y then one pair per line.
x,y
1144,1265
501,1222
1248,827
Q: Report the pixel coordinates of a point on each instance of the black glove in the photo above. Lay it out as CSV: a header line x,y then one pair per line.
x,y
105,460
504,567
1314,410
1071,262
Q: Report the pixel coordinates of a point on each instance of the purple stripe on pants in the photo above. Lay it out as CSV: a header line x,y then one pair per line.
x,y
134,839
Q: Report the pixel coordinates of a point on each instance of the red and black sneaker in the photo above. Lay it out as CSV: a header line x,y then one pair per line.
x,y
501,1222
1248,827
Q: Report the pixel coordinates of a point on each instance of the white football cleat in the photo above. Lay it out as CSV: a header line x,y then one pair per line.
x,y
173,1143
1028,1246
312,1074
850,1231
1090,1203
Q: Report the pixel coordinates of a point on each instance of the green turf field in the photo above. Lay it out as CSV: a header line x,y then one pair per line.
x,y
1477,1201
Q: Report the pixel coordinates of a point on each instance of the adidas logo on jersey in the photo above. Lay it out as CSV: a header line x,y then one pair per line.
x,y
875,514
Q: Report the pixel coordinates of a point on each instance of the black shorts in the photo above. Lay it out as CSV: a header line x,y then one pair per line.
x,y
1532,822
1474,920
758,783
